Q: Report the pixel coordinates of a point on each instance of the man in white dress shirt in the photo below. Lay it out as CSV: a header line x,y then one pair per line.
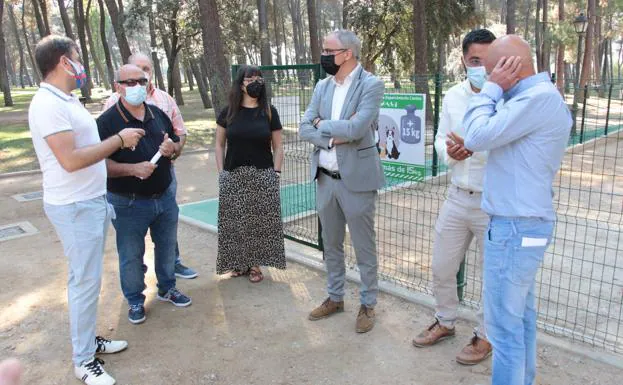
x,y
339,123
461,217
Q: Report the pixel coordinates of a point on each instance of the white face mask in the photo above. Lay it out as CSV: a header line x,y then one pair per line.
x,y
477,76
136,95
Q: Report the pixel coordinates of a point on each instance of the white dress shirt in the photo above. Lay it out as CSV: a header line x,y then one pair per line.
x,y
469,173
328,159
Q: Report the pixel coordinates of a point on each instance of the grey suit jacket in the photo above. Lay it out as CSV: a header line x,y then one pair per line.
x,y
358,160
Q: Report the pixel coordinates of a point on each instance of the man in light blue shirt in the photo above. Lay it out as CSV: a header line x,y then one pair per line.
x,y
526,140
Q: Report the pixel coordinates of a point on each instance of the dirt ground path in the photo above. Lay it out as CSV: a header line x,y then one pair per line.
x,y
235,332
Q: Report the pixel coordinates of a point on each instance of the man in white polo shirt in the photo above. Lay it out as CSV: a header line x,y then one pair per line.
x,y
460,218
71,157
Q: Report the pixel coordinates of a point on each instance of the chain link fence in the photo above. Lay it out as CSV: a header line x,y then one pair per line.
x,y
580,285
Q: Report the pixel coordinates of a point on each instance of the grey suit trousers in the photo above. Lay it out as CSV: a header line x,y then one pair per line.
x,y
338,207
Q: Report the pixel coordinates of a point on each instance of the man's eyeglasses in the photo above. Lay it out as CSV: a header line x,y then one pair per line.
x,y
133,82
329,51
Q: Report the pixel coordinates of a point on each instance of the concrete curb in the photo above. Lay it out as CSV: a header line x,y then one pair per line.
x,y
312,258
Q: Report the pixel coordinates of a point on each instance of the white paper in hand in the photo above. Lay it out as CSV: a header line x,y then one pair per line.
x,y
155,158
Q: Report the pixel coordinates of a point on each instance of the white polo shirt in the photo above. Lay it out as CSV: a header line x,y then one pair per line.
x,y
52,111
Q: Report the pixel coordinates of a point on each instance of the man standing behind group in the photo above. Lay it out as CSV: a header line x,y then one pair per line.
x,y
142,192
460,218
526,139
166,103
71,157
345,161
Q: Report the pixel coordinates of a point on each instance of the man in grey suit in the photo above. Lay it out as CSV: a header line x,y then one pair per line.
x,y
339,123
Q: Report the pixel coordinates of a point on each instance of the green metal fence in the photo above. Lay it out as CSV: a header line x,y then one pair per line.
x,y
580,284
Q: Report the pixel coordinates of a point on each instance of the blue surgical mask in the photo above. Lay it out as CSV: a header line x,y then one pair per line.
x,y
477,76
79,73
136,95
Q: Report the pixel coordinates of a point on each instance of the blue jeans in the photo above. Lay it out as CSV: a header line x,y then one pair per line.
x,y
82,228
514,250
173,186
134,218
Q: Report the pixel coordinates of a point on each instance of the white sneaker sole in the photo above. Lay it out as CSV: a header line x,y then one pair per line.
x,y
175,304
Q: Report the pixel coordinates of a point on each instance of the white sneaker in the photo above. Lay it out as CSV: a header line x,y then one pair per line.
x,y
92,373
105,346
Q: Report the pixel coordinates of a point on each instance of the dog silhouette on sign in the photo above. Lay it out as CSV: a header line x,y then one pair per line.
x,y
392,149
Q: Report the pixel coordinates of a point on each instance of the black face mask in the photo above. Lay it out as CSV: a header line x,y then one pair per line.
x,y
254,89
328,64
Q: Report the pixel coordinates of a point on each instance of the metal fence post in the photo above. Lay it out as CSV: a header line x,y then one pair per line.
x,y
461,282
583,113
608,110
438,90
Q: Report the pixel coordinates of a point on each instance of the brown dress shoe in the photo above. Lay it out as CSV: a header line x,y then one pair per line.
x,y
365,319
475,352
435,333
327,308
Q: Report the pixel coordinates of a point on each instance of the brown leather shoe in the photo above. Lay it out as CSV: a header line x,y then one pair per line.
x,y
327,308
365,319
475,352
435,333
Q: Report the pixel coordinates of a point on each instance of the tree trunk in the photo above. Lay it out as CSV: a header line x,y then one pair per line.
x,y
23,71
546,49
345,11
117,18
597,44
35,70
264,38
538,36
526,29
297,28
65,17
217,66
588,48
511,16
503,12
109,67
4,79
154,48
39,19
313,31
560,58
11,66
172,47
189,75
201,85
43,5
98,64
278,52
79,16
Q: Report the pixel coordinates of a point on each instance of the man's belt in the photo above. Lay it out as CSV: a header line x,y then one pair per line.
x,y
332,174
139,196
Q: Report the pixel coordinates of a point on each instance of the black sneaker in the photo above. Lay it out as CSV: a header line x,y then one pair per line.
x,y
175,297
136,314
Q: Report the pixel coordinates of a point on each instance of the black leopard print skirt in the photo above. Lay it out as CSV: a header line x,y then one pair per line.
x,y
250,230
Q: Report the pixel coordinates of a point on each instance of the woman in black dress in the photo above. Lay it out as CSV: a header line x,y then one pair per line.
x,y
249,155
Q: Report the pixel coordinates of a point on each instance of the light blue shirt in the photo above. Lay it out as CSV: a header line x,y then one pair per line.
x,y
526,139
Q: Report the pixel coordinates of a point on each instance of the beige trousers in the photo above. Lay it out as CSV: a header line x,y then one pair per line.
x,y
460,219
